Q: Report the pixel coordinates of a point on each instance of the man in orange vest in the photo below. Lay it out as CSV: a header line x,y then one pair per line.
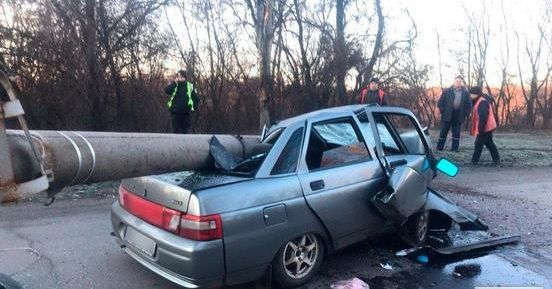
x,y
483,125
373,94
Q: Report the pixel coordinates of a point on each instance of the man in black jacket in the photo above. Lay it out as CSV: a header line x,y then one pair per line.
x,y
455,106
183,100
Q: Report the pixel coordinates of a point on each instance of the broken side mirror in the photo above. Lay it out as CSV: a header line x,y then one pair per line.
x,y
447,167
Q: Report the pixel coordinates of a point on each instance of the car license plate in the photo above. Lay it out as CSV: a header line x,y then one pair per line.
x,y
140,241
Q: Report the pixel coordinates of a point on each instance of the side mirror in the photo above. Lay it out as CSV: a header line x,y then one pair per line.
x,y
447,167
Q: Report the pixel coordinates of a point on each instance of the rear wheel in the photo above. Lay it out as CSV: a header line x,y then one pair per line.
x,y
297,261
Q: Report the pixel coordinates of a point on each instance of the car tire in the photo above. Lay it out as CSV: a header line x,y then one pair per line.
x,y
418,226
298,261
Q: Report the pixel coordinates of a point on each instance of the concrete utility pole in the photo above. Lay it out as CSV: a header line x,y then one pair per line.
x,y
33,161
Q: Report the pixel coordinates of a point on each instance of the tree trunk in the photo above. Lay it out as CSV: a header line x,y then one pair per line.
x,y
264,34
340,55
94,80
377,45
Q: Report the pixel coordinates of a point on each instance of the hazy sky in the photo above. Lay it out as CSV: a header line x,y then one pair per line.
x,y
447,17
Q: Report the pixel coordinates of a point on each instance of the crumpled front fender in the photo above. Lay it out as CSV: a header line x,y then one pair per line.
x,y
464,218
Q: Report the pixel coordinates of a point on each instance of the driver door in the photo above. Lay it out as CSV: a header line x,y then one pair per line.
x,y
404,153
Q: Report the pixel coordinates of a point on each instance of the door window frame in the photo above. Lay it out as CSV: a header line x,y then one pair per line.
x,y
353,120
379,148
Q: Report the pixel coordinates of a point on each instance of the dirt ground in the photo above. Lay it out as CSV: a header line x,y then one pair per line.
x,y
513,198
510,201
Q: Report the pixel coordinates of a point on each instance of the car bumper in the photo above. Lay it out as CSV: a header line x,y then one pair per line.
x,y
188,263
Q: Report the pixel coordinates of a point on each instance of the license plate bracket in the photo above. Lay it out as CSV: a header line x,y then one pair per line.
x,y
140,241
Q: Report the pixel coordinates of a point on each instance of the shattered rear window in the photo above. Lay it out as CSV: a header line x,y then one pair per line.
x,y
287,161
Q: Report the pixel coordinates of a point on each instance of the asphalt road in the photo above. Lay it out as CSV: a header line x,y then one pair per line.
x,y
68,245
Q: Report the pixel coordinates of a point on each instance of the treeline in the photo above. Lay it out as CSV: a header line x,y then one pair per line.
x,y
102,64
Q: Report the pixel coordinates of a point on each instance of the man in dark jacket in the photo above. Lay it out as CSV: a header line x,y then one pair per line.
x,y
455,106
483,125
183,100
373,94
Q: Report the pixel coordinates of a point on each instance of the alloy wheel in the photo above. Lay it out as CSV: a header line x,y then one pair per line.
x,y
422,227
300,256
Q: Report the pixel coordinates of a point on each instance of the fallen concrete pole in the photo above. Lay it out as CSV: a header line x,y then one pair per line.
x,y
86,157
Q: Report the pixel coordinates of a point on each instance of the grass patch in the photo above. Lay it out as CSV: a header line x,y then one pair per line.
x,y
516,149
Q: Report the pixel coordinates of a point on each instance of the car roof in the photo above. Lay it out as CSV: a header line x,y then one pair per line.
x,y
333,111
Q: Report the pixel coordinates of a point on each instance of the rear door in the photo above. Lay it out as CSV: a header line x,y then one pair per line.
x,y
404,153
340,176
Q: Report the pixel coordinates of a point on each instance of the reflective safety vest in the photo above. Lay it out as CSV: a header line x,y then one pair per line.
x,y
490,123
189,89
364,91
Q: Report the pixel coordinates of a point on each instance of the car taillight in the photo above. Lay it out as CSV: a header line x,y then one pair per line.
x,y
201,228
150,212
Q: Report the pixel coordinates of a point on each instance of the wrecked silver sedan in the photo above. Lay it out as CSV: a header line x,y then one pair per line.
x,y
315,183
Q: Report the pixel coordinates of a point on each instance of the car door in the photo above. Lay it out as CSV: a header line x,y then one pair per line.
x,y
404,153
339,178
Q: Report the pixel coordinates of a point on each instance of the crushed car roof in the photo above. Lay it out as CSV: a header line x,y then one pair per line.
x,y
323,112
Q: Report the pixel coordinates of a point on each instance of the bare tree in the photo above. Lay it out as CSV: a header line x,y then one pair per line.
x,y
267,16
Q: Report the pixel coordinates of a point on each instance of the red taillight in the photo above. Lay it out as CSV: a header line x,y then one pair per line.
x,y
200,228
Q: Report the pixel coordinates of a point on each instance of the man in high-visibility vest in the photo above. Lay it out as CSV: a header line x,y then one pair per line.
x,y
483,125
183,101
373,94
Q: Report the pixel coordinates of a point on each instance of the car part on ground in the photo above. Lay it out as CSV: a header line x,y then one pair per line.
x,y
453,251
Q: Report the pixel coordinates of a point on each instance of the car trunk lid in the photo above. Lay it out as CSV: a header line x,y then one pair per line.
x,y
174,190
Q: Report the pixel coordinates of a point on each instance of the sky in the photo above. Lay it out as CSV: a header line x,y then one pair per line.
x,y
447,17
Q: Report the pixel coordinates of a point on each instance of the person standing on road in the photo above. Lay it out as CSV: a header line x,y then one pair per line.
x,y
373,94
183,101
483,125
455,106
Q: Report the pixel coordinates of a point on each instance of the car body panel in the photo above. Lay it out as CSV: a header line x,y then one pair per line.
x,y
191,263
404,196
406,192
464,218
344,203
251,239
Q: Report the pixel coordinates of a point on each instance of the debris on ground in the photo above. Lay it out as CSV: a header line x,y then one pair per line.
x,y
386,266
422,259
354,283
466,270
486,244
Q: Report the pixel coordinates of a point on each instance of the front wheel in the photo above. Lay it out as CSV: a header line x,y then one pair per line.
x,y
297,261
418,227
